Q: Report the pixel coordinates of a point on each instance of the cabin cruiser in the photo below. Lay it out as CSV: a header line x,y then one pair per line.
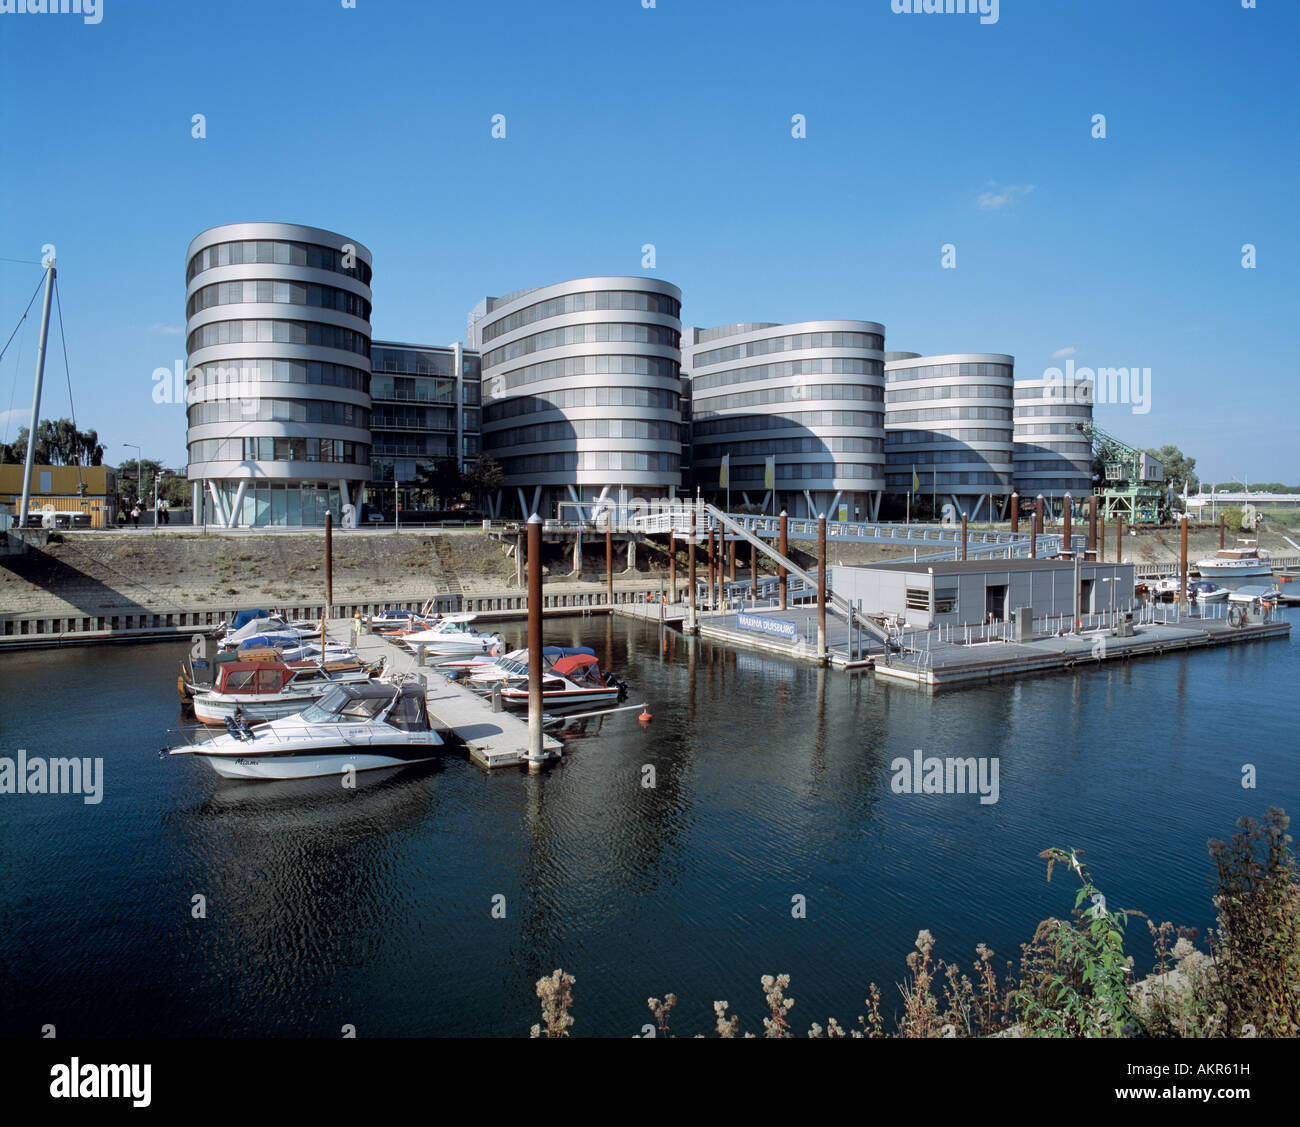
x,y
451,636
1245,559
265,690
575,679
362,726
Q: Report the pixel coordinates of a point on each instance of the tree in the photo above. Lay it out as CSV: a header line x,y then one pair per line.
x,y
483,477
442,478
58,443
1179,469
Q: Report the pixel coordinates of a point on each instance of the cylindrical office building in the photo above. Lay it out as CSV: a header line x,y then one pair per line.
x,y
948,421
581,393
1052,456
278,380
810,396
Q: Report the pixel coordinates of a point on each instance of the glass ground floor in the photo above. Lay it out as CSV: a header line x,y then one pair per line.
x,y
267,504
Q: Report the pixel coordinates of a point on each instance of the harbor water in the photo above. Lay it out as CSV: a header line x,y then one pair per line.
x,y
749,829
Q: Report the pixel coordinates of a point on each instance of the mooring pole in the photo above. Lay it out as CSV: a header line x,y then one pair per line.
x,y
731,560
609,556
782,576
1038,516
1092,526
1101,538
1015,513
1119,539
710,565
672,562
36,396
1222,520
753,570
1068,531
1182,562
329,567
821,587
694,589
963,536
534,642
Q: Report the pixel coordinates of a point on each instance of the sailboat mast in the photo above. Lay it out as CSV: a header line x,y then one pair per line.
x,y
36,396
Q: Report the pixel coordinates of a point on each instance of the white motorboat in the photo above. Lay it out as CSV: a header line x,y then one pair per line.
x,y
358,727
1255,592
451,636
1246,559
264,690
1203,591
572,680
484,672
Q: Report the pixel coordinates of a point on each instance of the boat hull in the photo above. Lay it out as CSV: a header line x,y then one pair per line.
x,y
216,711
315,763
1213,570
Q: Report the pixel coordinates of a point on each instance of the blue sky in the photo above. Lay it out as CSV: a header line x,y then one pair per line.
x,y
672,126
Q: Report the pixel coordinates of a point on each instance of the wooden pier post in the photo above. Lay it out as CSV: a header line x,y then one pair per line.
x,y
672,564
1067,532
694,591
821,587
1181,597
1015,513
534,642
732,549
783,578
1092,526
963,536
329,568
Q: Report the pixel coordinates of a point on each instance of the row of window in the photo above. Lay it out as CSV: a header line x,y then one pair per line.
x,y
257,449
945,458
582,303
738,424
284,293
657,430
837,443
765,347
409,389
943,414
598,333
792,394
590,460
808,471
413,445
938,437
278,332
1060,410
1057,466
566,399
278,371
827,365
902,483
948,391
423,362
388,416
947,372
280,411
499,385
1053,428
280,253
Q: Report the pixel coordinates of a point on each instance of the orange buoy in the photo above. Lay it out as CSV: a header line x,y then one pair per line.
x,y
645,716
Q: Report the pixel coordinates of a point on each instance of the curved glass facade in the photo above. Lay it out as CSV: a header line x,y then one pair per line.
x,y
581,391
1052,456
278,385
948,419
827,458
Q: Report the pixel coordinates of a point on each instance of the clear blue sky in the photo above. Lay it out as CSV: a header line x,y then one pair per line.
x,y
672,126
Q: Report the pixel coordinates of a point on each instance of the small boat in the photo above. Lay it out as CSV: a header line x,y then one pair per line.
x,y
1246,559
232,637
451,636
484,672
1255,592
1166,587
265,690
575,679
362,727
1202,590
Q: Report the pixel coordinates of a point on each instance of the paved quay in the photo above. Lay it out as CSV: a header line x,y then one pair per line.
x,y
494,739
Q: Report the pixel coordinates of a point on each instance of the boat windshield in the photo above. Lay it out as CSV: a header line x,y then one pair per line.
x,y
339,705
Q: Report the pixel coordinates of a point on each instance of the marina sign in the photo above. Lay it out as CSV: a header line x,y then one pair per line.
x,y
777,626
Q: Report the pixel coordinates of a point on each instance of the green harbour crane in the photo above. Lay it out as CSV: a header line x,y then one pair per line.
x,y
1132,479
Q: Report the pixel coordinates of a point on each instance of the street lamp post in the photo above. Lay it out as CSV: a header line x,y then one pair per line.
x,y
139,467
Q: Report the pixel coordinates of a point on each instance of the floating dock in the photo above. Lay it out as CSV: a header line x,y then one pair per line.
x,y
493,739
